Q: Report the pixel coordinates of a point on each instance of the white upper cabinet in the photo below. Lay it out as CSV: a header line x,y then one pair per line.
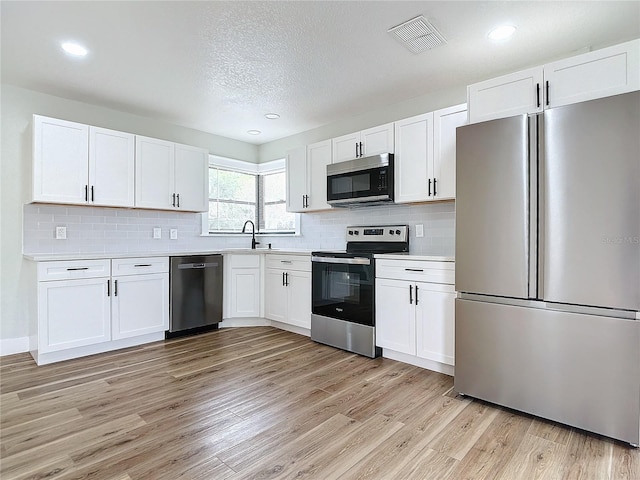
x,y
413,162
307,177
170,176
296,168
154,173
192,178
445,122
111,167
505,96
80,164
601,73
372,141
425,158
60,161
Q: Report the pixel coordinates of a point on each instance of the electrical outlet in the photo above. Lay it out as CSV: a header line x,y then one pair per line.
x,y
173,233
61,233
157,233
419,230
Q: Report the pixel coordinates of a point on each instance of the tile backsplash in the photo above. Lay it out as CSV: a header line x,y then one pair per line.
x,y
119,230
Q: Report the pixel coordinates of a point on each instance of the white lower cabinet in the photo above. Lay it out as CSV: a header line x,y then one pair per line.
x,y
415,309
242,289
288,289
92,306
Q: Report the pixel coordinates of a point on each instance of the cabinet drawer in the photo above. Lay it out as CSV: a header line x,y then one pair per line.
x,y
72,269
416,271
139,265
289,262
250,260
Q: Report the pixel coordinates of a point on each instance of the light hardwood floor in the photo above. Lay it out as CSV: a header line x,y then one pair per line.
x,y
261,403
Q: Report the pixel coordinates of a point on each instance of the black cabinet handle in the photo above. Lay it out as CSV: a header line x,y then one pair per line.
x,y
108,288
173,200
361,150
416,294
410,294
92,193
357,155
178,200
283,279
86,193
429,187
538,95
286,279
77,268
434,190
414,270
547,92
142,265
115,288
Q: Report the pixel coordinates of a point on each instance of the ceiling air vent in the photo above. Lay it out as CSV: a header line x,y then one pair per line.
x,y
417,35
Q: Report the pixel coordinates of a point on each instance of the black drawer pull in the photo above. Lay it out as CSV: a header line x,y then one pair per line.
x,y
77,268
142,265
413,270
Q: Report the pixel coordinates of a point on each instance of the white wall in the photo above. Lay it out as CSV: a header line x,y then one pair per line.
x,y
17,107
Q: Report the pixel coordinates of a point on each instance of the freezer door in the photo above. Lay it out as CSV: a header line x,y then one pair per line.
x,y
591,203
492,199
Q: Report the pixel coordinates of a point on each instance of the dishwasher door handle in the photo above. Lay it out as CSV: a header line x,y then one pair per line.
x,y
193,266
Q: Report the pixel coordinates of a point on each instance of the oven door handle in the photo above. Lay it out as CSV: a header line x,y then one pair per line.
x,y
349,261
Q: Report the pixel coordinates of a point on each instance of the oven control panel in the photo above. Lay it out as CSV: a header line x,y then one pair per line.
x,y
381,233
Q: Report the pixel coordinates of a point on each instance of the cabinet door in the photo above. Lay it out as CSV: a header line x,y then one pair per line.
x,y
378,140
506,96
275,300
111,167
73,313
60,161
296,179
414,158
318,157
154,173
245,292
435,319
346,147
299,299
191,178
602,73
445,122
395,316
139,305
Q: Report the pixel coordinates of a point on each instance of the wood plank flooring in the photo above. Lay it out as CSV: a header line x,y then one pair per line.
x,y
261,403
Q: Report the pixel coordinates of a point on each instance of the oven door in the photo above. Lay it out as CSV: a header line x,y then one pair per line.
x,y
342,288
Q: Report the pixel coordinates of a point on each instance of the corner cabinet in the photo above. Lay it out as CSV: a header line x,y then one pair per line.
x,y
601,73
288,289
93,306
242,286
82,165
415,312
307,177
171,176
425,159
372,141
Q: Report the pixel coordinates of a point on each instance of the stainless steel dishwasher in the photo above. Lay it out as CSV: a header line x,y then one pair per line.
x,y
196,294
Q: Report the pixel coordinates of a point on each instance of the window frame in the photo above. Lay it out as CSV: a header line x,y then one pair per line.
x,y
262,169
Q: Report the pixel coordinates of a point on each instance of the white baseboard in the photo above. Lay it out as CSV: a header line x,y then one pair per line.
x,y
418,362
9,346
244,322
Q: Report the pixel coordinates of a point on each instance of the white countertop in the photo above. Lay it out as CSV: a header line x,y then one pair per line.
x,y
410,256
50,257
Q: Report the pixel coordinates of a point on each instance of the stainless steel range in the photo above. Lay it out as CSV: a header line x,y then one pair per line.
x,y
343,283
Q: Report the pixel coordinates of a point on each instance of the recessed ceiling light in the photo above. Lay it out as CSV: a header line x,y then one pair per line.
x,y
254,132
502,32
74,49
272,116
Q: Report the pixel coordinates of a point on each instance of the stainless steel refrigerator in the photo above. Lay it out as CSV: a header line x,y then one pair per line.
x,y
548,264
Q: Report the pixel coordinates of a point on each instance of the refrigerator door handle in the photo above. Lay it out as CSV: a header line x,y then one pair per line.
x,y
536,263
535,124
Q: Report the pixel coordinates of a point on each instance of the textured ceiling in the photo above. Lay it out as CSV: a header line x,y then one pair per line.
x,y
220,66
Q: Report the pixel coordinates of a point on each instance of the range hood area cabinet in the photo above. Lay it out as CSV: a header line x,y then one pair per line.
x,y
306,168
425,162
601,73
366,143
78,164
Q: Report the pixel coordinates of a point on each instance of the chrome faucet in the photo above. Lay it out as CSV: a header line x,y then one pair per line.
x,y
253,233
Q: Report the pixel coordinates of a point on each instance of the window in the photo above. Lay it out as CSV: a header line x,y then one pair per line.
x,y
241,191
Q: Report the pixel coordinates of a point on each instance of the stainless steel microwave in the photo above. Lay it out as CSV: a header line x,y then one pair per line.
x,y
359,182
